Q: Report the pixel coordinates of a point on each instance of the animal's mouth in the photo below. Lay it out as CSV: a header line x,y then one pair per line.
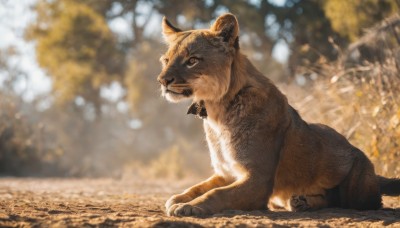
x,y
180,92
173,92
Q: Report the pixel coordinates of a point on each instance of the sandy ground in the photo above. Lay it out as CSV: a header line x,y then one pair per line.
x,y
140,203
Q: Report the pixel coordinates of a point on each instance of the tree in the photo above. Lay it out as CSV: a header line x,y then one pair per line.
x,y
77,49
351,18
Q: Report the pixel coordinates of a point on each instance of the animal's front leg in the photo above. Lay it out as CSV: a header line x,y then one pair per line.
x,y
193,192
247,194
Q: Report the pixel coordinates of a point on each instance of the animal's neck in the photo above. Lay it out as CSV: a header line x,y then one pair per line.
x,y
243,74
240,74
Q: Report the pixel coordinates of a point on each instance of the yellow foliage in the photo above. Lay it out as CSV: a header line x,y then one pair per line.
x,y
73,47
350,18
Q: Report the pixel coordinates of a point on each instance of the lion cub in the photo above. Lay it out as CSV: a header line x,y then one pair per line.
x,y
263,153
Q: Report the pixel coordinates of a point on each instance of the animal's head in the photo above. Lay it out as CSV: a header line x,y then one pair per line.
x,y
198,62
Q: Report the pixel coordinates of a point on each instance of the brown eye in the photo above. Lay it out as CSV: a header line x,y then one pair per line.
x,y
192,62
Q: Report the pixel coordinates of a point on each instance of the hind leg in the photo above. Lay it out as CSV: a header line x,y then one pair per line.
x,y
307,202
360,189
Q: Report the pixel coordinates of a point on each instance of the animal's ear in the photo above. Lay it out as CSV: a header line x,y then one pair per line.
x,y
169,31
227,27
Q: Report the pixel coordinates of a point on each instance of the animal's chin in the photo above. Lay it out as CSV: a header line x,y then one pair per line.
x,y
176,97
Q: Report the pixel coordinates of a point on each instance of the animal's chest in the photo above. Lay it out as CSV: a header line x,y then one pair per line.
x,y
224,157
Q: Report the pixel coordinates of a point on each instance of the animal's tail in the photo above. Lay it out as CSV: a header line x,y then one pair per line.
x,y
389,186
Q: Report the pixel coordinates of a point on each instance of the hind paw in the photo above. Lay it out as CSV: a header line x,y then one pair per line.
x,y
299,203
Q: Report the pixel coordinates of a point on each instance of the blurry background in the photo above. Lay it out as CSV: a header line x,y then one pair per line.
x,y
79,96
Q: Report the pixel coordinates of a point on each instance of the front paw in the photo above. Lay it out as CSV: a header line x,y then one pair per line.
x,y
185,209
175,199
299,203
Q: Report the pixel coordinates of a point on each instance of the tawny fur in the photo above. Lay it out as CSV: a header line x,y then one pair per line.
x,y
263,153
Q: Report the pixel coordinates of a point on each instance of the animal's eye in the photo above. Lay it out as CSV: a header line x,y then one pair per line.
x,y
192,62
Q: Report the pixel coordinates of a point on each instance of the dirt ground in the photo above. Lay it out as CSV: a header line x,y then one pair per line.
x,y
139,203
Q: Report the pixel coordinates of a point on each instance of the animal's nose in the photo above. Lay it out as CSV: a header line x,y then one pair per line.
x,y
166,80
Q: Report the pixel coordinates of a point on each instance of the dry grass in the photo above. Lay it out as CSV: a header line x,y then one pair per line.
x,y
362,103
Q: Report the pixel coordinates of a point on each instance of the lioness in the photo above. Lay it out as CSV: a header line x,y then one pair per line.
x,y
263,153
